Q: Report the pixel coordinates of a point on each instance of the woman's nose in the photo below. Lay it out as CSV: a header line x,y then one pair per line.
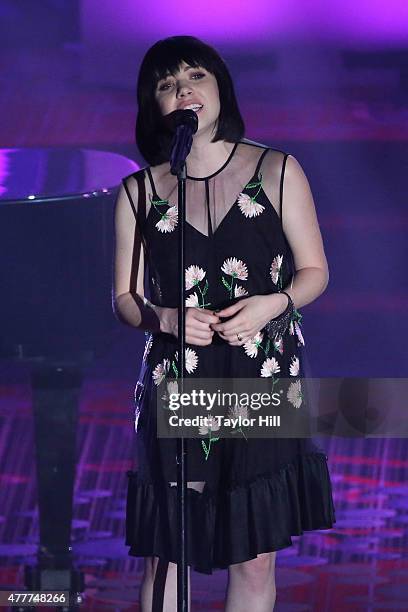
x,y
183,89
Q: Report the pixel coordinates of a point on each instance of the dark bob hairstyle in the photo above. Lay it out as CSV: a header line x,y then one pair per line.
x,y
164,58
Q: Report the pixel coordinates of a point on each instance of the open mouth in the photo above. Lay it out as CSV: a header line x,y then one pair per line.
x,y
194,107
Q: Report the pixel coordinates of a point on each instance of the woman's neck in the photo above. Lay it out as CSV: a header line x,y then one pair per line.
x,y
207,157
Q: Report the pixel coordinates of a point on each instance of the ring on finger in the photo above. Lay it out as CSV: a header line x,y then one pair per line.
x,y
239,338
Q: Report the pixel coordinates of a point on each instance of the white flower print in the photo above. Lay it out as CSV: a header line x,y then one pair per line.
x,y
194,274
299,333
278,345
235,268
291,329
191,359
160,371
269,367
172,387
234,412
248,206
275,268
294,366
294,394
239,291
168,220
252,345
192,300
213,425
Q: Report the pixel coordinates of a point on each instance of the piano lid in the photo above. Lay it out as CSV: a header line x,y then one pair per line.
x,y
38,175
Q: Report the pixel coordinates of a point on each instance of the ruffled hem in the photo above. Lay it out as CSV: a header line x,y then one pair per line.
x,y
236,524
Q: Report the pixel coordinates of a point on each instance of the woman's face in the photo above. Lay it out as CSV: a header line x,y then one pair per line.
x,y
190,88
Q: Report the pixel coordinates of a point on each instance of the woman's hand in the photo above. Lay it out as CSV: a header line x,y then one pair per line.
x,y
249,316
198,321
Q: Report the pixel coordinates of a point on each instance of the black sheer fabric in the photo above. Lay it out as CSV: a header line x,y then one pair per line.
x,y
246,496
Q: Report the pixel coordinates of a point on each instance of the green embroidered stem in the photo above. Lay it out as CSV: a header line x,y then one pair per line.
x,y
239,430
279,283
225,283
228,286
267,347
156,203
254,186
203,292
208,449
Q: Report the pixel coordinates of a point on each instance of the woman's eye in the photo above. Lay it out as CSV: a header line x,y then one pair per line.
x,y
164,86
197,75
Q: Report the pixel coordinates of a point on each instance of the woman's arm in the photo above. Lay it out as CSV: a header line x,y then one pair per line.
x,y
303,233
129,301
310,280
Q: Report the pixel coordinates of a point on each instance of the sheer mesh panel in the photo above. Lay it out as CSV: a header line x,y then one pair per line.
x,y
231,179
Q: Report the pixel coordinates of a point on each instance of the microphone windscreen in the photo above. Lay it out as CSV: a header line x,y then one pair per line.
x,y
179,117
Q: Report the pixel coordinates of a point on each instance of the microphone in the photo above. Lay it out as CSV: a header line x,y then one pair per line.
x,y
184,123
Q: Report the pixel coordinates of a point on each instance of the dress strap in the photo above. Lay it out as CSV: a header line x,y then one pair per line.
x,y
281,186
259,164
132,204
153,186
207,202
140,211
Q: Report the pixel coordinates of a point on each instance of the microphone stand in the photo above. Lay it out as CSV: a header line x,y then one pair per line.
x,y
182,575
182,142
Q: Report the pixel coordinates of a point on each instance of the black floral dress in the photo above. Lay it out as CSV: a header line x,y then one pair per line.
x,y
256,493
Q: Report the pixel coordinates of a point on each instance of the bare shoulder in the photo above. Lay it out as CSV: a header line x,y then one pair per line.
x,y
294,170
271,172
272,164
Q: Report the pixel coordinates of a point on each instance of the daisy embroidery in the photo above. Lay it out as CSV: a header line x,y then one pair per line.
x,y
194,274
193,301
299,333
294,366
278,345
168,217
168,220
239,291
294,394
190,360
213,425
160,371
172,388
251,347
248,206
269,367
276,268
236,269
194,277
236,412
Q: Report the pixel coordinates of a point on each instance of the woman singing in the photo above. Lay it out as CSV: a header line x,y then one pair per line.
x,y
254,257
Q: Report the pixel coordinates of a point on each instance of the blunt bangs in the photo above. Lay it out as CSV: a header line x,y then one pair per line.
x,y
165,58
